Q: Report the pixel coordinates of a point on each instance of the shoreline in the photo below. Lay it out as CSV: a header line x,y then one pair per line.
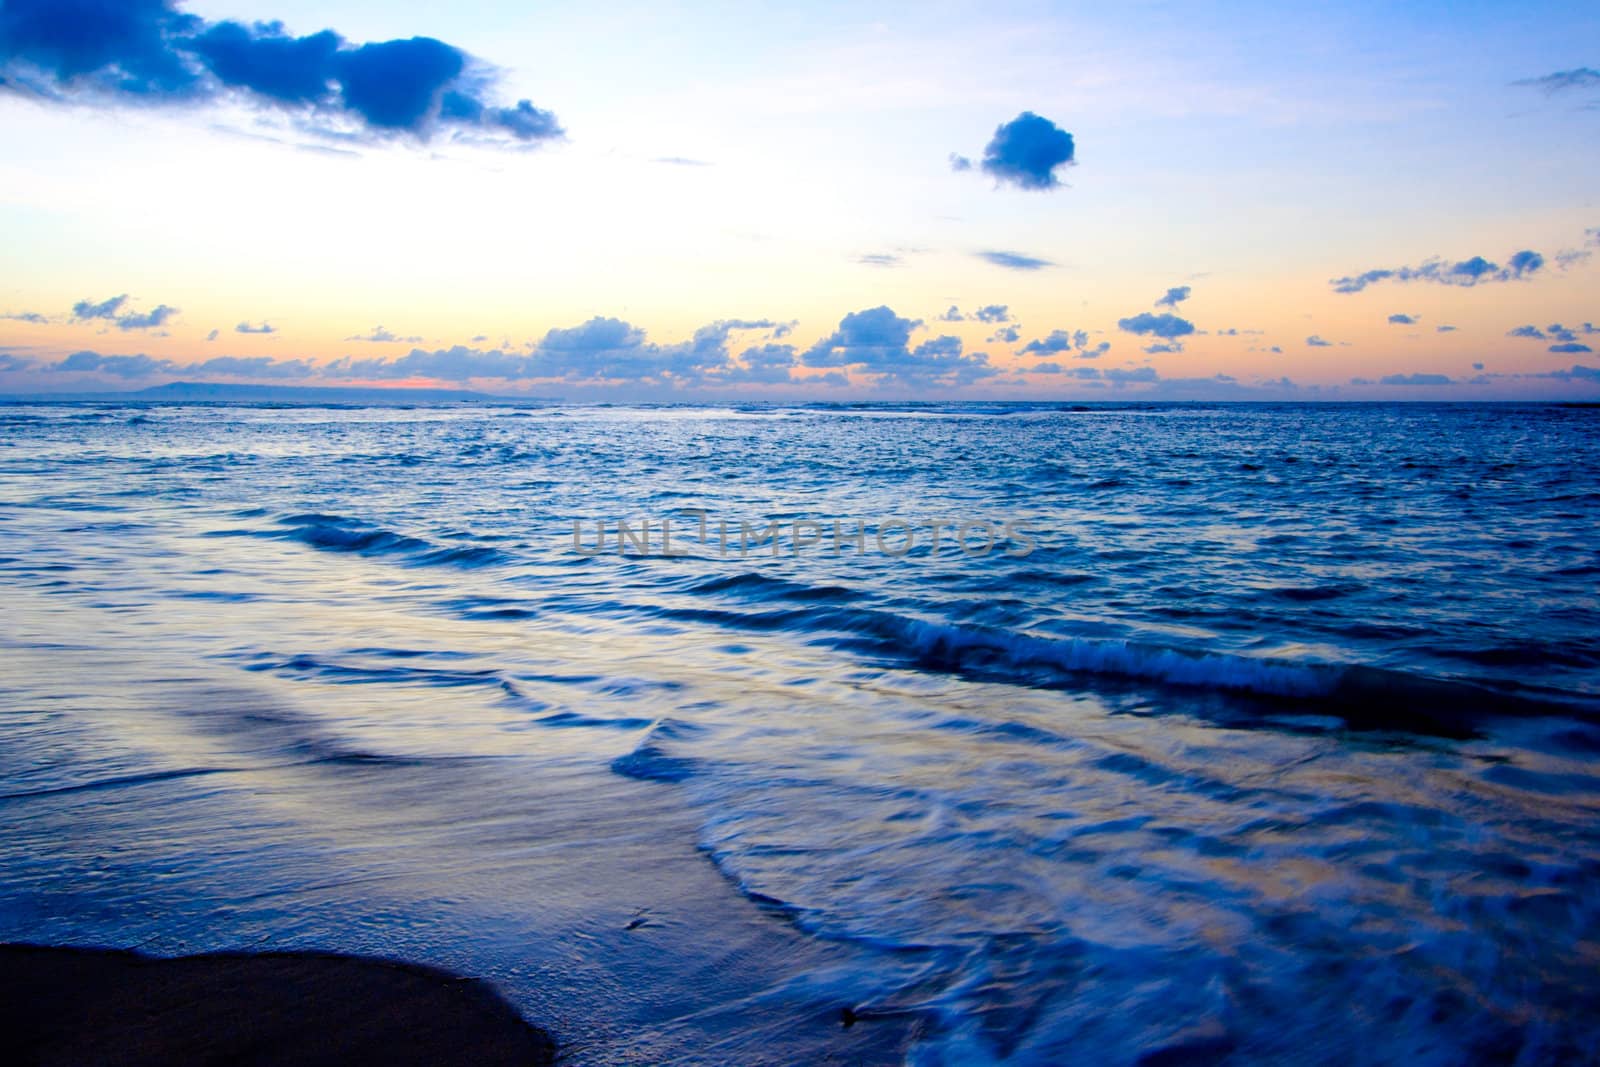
x,y
102,1005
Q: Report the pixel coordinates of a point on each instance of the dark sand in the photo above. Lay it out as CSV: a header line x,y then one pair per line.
x,y
84,1007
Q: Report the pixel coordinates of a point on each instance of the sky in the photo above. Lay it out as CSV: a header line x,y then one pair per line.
x,y
828,201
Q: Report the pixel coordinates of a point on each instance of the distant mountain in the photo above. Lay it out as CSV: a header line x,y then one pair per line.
x,y
221,393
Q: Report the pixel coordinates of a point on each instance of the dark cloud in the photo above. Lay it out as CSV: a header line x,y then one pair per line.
x,y
139,366
1563,81
1015,260
1465,273
1175,296
993,313
1570,348
8,362
245,327
1166,327
253,367
1316,342
877,341
105,309
156,316
112,311
1027,151
381,335
1402,320
1477,366
1416,379
144,52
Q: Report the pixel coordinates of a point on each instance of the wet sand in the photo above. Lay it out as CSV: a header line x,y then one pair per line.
x,y
93,1006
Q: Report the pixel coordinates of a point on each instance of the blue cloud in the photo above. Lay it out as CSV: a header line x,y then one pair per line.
x,y
1570,347
1061,341
245,327
1402,320
1465,273
253,367
1530,332
1563,81
457,364
139,366
148,52
1119,375
1444,329
1015,260
25,316
1316,342
381,335
953,315
1174,297
105,309
959,163
1165,348
1027,151
993,313
1167,327
1048,366
877,341
156,316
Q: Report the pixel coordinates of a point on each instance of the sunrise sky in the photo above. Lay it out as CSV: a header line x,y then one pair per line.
x,y
834,201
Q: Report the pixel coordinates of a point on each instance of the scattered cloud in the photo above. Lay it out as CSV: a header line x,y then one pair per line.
x,y
880,259
1444,329
1167,327
993,313
245,327
1008,335
959,163
1465,273
25,316
1416,379
147,52
1121,375
1402,320
1316,342
953,315
680,161
1562,81
213,335
253,367
111,310
1570,348
1063,341
1014,260
383,335
1174,297
877,341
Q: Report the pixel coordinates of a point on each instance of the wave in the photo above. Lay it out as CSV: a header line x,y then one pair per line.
x,y
337,533
1363,696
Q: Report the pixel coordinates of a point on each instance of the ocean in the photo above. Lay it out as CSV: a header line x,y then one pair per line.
x,y
928,734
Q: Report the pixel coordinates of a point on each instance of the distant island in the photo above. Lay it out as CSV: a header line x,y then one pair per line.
x,y
223,393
